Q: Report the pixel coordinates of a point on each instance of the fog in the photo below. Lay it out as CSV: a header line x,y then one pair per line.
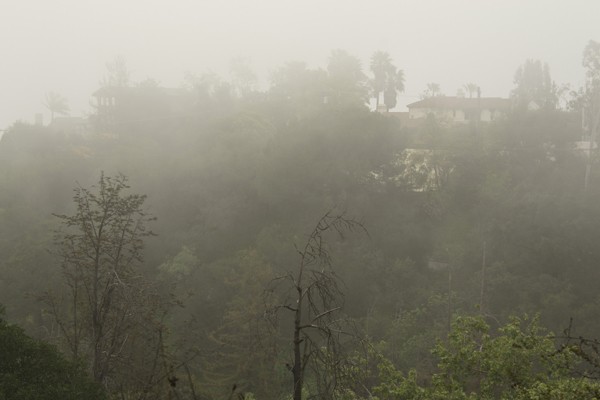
x,y
63,45
277,200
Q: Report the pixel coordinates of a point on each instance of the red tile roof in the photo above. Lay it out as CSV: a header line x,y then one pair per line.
x,y
462,103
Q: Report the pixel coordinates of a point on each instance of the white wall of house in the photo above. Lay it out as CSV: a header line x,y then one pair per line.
x,y
490,115
458,115
416,113
443,115
446,115
486,115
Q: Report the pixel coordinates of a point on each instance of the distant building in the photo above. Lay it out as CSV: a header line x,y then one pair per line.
x,y
141,103
585,146
460,109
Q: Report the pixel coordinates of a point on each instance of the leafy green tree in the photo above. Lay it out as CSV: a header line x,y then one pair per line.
x,y
33,370
243,77
347,81
591,100
591,63
520,362
297,91
244,342
533,84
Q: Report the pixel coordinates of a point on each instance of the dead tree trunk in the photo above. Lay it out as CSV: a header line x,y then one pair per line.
x,y
314,300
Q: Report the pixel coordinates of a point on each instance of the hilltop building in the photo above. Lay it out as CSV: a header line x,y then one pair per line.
x,y
460,109
116,105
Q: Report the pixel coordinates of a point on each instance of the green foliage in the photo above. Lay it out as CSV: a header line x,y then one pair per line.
x,y
519,362
33,370
180,266
346,80
244,342
236,179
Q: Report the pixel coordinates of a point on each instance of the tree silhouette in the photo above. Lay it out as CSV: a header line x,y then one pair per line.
x,y
346,79
243,77
534,84
106,307
471,88
31,369
56,104
386,78
314,299
591,99
432,90
117,73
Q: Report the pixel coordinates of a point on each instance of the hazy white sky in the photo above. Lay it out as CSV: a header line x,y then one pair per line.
x,y
64,45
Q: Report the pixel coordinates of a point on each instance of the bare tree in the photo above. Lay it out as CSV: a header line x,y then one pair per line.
x,y
109,312
313,297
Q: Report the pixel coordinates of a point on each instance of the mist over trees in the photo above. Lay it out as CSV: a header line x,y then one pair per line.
x,y
56,104
534,86
177,245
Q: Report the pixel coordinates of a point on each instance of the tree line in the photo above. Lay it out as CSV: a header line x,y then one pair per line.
x,y
244,270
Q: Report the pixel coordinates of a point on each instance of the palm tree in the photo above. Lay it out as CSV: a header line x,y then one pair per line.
x,y
56,103
432,90
380,65
395,84
471,88
386,78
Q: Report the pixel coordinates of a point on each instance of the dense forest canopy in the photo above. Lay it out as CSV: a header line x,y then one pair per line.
x,y
221,241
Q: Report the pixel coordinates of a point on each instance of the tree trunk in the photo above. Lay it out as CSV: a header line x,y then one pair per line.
x,y
297,369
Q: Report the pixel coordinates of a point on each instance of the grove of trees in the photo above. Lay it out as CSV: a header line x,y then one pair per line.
x,y
291,243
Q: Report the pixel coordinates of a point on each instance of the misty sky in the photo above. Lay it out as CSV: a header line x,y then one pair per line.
x,y
64,45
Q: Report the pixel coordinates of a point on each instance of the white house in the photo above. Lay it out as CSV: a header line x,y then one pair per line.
x,y
460,109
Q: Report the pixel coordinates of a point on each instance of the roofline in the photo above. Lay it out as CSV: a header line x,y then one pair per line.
x,y
441,99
